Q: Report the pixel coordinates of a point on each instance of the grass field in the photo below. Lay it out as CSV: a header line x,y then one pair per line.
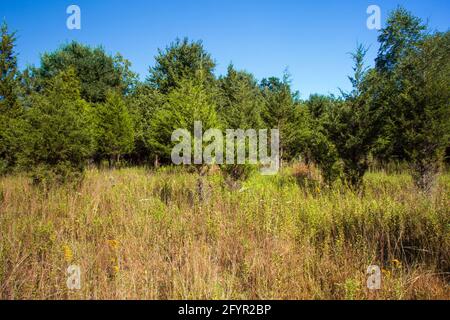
x,y
140,234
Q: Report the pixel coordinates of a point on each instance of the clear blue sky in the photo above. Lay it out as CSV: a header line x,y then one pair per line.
x,y
311,38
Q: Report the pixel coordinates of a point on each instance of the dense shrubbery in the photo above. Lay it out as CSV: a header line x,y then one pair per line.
x,y
81,104
59,132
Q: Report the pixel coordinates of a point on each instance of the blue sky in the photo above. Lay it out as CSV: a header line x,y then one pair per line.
x,y
311,38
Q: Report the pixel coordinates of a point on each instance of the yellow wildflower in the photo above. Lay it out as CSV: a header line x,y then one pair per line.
x,y
113,244
397,264
116,269
68,253
385,272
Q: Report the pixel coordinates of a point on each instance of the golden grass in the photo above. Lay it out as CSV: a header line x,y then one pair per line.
x,y
138,234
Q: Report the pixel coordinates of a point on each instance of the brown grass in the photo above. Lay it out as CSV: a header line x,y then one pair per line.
x,y
145,235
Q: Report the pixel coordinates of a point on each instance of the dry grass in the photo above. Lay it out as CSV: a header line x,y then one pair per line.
x,y
145,235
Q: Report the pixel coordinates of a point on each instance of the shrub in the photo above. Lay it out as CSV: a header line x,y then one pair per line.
x,y
59,135
61,173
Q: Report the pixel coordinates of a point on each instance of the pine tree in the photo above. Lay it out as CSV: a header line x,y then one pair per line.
x,y
8,72
413,85
10,109
240,100
308,138
143,104
354,123
278,111
424,107
182,60
190,101
402,34
114,128
240,106
319,105
59,138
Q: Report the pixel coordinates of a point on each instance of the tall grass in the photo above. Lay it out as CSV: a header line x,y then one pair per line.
x,y
139,234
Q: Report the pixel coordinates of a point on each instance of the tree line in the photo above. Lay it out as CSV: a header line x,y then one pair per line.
x,y
83,105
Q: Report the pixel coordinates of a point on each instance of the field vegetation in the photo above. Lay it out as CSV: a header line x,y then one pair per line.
x,y
144,234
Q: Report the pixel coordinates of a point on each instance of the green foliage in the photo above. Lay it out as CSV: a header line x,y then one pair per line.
x,y
353,124
114,128
413,83
424,102
63,172
98,72
240,107
12,131
403,32
237,172
59,134
308,139
128,79
182,60
278,112
324,154
190,101
320,105
10,108
142,104
397,111
8,73
240,102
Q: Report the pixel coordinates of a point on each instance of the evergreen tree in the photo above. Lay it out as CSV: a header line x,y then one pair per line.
x,y
9,104
182,60
10,108
403,33
413,84
190,101
319,105
240,102
354,124
278,112
59,137
423,123
114,128
309,139
143,104
240,105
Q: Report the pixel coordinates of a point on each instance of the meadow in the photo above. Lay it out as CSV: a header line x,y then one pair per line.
x,y
147,234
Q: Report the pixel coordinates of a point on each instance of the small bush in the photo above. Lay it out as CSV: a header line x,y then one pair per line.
x,y
61,173
238,172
